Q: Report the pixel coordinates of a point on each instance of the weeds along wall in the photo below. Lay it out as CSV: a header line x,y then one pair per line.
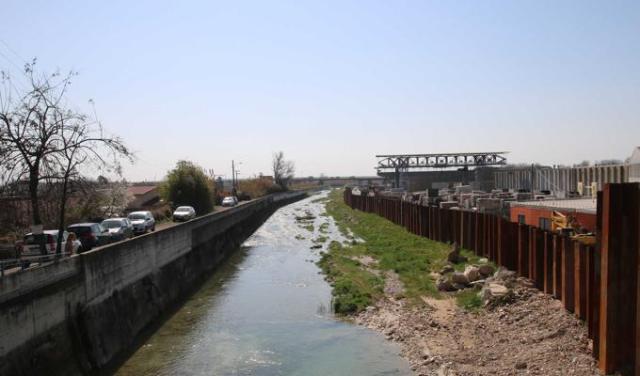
x,y
599,284
83,313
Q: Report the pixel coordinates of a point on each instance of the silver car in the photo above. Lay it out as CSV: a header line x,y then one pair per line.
x,y
230,201
119,228
184,213
142,221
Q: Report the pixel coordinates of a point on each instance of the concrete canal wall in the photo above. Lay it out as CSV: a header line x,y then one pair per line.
x,y
81,313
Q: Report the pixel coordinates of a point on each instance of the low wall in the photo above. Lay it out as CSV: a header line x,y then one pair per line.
x,y
77,315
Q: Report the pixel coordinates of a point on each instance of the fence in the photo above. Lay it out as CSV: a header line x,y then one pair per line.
x,y
599,284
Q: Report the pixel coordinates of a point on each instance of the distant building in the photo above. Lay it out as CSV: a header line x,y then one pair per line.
x,y
634,165
568,181
539,213
142,196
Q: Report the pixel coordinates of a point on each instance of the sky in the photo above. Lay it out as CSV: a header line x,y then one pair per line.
x,y
333,83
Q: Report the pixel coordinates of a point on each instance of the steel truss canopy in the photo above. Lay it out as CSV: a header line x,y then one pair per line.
x,y
405,162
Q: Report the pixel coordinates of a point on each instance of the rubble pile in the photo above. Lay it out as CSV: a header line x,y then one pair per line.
x,y
531,334
519,331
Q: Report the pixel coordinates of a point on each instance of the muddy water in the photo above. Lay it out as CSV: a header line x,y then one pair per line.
x,y
267,312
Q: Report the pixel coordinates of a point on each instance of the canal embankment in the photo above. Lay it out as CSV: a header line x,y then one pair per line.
x,y
385,278
80,313
266,312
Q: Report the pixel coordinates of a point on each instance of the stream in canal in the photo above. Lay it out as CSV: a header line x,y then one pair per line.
x,y
267,311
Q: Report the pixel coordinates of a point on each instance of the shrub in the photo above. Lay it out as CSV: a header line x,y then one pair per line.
x,y
187,184
254,188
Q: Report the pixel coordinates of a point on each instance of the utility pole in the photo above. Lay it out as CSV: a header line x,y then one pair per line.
x,y
233,174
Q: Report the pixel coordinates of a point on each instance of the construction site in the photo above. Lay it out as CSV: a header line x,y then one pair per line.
x,y
563,233
549,197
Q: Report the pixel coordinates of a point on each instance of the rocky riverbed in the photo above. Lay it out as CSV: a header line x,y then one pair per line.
x,y
529,334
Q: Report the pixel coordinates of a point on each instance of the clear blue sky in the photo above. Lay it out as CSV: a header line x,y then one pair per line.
x,y
332,83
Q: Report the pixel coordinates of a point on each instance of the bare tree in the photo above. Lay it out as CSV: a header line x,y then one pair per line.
x,y
42,139
82,144
29,126
283,170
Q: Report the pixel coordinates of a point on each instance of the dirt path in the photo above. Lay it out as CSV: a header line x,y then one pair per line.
x,y
534,335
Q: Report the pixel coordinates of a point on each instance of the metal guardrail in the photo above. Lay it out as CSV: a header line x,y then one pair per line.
x,y
26,262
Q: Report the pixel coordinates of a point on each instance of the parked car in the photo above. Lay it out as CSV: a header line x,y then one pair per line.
x,y
119,228
184,213
30,246
142,222
230,201
90,234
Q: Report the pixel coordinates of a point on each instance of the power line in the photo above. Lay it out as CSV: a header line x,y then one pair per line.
x,y
23,60
12,62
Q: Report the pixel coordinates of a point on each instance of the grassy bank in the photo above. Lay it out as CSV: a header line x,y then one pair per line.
x,y
412,257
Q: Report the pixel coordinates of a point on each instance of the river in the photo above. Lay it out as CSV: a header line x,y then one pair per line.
x,y
267,312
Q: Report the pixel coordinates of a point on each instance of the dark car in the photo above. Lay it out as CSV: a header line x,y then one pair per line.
x,y
119,228
90,234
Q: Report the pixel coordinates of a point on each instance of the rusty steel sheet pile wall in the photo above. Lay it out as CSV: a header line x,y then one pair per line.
x,y
598,283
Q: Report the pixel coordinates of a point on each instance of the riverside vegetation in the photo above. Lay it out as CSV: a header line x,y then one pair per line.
x,y
385,278
357,269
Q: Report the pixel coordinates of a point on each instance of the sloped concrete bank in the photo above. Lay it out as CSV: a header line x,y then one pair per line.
x,y
77,315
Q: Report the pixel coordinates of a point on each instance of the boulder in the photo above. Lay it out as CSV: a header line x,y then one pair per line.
x,y
505,274
446,269
521,365
459,286
486,270
493,291
472,273
459,278
497,289
444,284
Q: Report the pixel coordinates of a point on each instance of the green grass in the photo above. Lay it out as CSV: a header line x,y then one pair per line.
x,y
411,256
324,228
320,239
354,288
469,299
307,226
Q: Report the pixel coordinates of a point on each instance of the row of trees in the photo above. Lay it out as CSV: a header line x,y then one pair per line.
x,y
42,139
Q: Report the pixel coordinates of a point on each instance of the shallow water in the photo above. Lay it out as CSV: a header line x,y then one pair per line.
x,y
267,312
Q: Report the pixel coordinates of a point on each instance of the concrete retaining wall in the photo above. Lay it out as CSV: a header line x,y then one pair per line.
x,y
81,313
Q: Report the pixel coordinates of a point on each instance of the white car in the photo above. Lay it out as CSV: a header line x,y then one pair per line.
x,y
142,221
184,213
230,201
30,246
